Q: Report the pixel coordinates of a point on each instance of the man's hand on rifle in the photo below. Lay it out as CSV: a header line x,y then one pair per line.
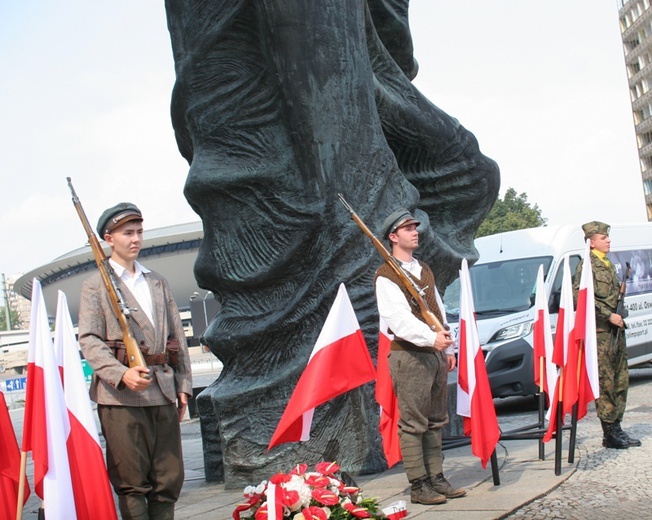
x,y
617,320
443,340
133,379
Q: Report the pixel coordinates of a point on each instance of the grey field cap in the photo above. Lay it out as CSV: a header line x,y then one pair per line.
x,y
399,218
117,215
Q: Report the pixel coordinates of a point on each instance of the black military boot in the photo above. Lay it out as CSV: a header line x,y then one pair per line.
x,y
631,441
422,493
611,439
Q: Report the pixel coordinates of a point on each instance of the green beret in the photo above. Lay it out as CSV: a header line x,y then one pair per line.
x,y
119,214
401,217
594,227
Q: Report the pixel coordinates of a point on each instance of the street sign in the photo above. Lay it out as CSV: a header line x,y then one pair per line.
x,y
16,385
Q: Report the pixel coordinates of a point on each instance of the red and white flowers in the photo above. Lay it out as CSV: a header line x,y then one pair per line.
x,y
306,495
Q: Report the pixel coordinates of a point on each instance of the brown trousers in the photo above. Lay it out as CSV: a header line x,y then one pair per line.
x,y
143,456
420,382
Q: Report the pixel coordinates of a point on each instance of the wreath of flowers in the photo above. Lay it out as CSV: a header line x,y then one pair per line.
x,y
307,495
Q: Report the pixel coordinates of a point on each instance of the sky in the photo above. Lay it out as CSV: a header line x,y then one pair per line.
x,y
85,93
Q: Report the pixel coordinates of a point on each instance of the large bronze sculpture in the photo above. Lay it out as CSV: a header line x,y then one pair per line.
x,y
278,106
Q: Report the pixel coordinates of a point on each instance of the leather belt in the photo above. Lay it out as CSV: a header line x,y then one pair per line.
x,y
400,344
156,359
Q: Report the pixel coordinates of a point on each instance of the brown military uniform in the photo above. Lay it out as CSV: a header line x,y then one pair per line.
x,y
420,378
143,437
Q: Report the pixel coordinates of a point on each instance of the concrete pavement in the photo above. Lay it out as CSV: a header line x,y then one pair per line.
x,y
600,484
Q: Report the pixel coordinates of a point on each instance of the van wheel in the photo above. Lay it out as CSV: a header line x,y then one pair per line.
x,y
19,370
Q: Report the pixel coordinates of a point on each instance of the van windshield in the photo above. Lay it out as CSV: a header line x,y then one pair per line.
x,y
499,288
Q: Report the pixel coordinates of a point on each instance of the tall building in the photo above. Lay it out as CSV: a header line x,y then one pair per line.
x,y
17,303
636,29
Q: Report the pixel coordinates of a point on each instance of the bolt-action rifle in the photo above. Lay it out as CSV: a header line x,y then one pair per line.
x,y
620,309
415,291
122,311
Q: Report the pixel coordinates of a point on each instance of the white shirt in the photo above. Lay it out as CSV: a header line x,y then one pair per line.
x,y
138,286
396,312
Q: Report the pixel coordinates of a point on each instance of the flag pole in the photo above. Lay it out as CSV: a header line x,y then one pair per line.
x,y
573,430
21,485
542,404
559,415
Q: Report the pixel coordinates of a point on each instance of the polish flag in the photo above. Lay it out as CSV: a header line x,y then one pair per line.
x,y
545,371
9,465
474,399
339,362
386,398
581,370
45,426
93,496
565,324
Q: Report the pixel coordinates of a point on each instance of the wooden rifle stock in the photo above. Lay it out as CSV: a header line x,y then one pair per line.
x,y
415,291
135,356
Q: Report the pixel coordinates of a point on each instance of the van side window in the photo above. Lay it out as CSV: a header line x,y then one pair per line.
x,y
555,292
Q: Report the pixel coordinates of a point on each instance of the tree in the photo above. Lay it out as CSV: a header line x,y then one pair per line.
x,y
510,213
13,316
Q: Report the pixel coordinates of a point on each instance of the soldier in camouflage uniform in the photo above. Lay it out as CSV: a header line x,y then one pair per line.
x,y
612,359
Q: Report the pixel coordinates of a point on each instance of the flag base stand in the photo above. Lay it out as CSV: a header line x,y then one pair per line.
x,y
538,430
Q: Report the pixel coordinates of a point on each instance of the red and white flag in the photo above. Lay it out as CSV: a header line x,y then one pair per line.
x,y
9,465
545,371
581,383
387,400
93,496
339,362
474,399
565,324
45,427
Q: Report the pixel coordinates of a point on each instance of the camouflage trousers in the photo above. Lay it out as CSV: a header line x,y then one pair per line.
x,y
614,378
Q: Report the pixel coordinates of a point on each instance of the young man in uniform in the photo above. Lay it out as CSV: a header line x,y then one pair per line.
x,y
419,362
612,356
139,408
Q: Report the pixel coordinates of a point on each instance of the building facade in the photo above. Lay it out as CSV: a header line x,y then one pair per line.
x,y
16,302
636,29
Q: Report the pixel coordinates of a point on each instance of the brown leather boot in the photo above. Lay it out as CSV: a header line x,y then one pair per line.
x,y
422,493
443,487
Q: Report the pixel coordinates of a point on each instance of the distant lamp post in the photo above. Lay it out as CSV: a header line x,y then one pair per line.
x,y
202,311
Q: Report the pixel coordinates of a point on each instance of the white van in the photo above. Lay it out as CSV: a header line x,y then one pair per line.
x,y
504,279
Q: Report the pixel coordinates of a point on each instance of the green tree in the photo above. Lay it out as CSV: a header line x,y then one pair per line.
x,y
13,316
510,213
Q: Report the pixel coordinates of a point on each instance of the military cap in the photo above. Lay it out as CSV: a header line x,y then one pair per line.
x,y
594,227
119,214
401,217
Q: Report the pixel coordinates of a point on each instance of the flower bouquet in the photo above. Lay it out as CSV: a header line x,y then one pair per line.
x,y
307,495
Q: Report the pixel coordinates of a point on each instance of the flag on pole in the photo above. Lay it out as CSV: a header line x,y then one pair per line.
x,y
45,427
581,371
90,481
387,400
9,465
545,371
565,323
339,362
474,399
